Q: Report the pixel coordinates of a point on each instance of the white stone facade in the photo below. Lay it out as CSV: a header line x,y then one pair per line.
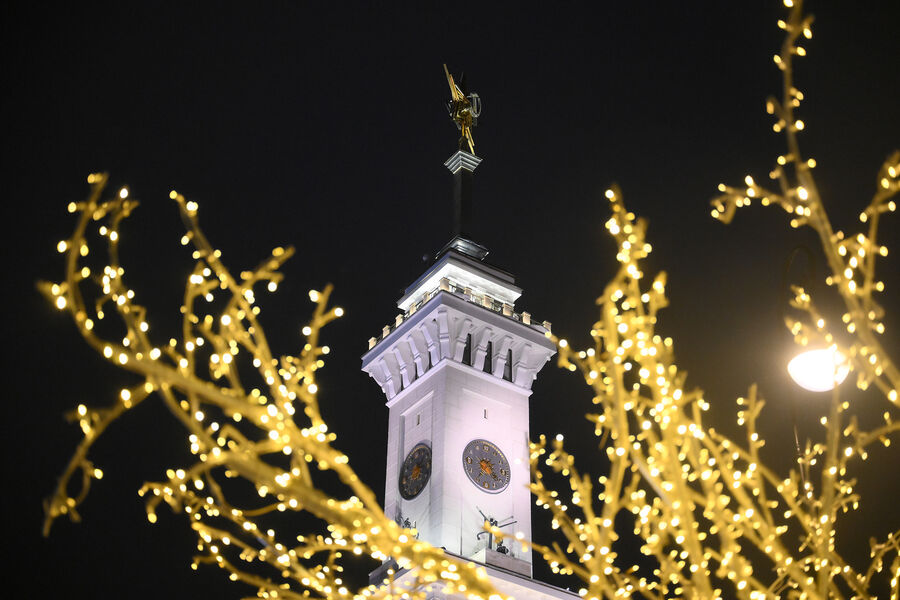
x,y
454,371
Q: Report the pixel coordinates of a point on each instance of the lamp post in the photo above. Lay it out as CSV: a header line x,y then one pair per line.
x,y
821,370
816,370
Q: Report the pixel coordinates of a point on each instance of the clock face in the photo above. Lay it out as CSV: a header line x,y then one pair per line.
x,y
486,466
415,472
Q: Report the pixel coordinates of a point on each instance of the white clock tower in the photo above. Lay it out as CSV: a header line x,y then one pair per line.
x,y
456,367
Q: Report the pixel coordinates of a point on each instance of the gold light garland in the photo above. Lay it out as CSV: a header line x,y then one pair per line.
x,y
714,520
271,436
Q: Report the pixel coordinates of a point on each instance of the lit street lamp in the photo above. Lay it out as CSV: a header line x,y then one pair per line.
x,y
819,370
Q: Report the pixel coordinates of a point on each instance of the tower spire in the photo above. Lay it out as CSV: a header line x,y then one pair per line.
x,y
456,366
464,109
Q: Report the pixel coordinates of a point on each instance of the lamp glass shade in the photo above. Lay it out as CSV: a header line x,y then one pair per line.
x,y
819,370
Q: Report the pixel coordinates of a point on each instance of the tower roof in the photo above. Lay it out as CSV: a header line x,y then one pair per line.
x,y
464,272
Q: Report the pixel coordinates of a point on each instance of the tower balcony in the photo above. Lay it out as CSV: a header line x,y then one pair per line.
x,y
469,295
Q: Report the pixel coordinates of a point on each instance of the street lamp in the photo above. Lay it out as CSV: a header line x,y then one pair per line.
x,y
819,370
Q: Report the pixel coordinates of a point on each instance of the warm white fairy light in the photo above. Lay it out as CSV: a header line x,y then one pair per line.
x,y
850,258
264,434
697,499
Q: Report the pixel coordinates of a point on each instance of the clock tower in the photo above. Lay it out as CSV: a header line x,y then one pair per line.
x,y
456,367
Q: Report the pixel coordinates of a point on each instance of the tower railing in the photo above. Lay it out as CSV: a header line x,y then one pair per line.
x,y
469,295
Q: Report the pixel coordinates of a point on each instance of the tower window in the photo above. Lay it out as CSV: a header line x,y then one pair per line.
x,y
507,369
485,413
489,358
467,353
418,418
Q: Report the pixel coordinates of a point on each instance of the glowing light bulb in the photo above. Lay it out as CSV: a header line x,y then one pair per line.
x,y
819,370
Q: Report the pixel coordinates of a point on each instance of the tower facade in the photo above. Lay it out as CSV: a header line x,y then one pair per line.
x,y
456,368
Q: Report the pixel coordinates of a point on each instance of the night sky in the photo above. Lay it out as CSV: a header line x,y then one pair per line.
x,y
323,127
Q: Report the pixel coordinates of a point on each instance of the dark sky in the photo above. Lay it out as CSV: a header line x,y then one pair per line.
x,y
321,125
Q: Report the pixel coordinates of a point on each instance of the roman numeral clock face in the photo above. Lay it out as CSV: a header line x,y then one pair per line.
x,y
486,466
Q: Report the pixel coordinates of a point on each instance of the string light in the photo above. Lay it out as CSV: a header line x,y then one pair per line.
x,y
697,499
261,435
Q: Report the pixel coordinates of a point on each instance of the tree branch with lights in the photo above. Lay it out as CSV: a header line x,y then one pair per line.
x,y
713,519
269,440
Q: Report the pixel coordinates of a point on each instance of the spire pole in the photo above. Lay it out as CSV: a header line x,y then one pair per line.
x,y
462,165
464,109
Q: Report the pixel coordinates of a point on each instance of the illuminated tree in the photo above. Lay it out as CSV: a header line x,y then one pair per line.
x,y
713,519
716,521
267,435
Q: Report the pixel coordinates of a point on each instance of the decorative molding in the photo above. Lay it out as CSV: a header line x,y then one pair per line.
x,y
462,160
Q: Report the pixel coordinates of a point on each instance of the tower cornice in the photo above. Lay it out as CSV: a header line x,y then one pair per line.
x,y
448,327
464,273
